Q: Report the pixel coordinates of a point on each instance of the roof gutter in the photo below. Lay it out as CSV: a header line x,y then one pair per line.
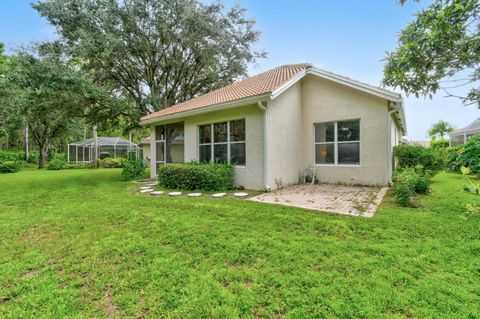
x,y
217,107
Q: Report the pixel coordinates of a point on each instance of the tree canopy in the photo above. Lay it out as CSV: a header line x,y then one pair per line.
x,y
442,41
50,94
158,52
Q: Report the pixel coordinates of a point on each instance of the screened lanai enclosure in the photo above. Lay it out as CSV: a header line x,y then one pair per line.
x,y
82,151
461,136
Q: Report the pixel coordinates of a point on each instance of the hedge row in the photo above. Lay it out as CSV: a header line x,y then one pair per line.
x,y
196,176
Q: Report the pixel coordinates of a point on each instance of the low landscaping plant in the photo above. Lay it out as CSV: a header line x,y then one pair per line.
x,y
132,168
11,156
10,167
196,176
77,165
19,156
110,162
411,156
56,164
451,155
469,155
439,144
408,182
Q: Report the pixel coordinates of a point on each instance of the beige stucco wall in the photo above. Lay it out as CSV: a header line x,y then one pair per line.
x,y
251,175
325,101
289,142
285,146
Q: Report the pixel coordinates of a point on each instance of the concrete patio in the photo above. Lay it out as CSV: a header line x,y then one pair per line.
x,y
346,200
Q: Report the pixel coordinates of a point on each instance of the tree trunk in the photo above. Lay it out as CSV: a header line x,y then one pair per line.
x,y
42,160
94,147
25,142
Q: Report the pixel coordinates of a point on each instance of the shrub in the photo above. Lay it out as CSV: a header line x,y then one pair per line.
x,y
469,155
11,156
132,168
451,156
439,144
110,162
196,176
56,164
77,165
409,182
19,156
410,156
10,166
33,157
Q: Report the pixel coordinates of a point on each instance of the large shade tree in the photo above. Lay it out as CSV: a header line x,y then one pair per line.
x,y
158,52
439,45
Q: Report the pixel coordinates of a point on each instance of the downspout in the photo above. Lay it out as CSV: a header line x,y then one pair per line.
x,y
393,107
262,105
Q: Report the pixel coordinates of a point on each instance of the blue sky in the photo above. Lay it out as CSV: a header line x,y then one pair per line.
x,y
348,37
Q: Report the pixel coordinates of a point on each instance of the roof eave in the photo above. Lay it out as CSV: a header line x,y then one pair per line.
x,y
212,108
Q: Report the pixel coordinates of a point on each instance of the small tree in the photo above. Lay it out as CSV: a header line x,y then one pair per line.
x,y
441,128
50,94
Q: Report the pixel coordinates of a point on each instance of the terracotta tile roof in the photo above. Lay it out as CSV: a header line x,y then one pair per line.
x,y
261,84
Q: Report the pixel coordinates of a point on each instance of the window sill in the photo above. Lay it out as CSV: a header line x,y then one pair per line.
x,y
339,165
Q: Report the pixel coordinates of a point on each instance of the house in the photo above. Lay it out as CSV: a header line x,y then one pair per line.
x,y
275,125
461,136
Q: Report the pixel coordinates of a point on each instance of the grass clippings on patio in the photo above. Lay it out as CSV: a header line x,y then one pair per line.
x,y
80,243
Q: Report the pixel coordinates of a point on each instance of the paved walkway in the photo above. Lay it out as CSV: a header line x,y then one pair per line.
x,y
346,200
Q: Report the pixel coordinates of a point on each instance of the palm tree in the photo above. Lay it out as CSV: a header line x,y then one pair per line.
x,y
441,127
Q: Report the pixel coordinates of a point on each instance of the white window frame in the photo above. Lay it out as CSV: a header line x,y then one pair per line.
x,y
335,143
228,142
164,145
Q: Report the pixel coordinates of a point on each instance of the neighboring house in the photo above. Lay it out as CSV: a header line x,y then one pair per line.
x,y
279,123
461,136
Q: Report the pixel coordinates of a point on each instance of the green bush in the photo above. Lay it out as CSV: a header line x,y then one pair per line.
x,y
411,156
77,165
10,167
110,162
56,164
19,156
11,156
439,144
196,176
132,168
407,183
469,155
451,156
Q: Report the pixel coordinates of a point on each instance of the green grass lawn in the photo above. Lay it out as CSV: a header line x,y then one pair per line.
x,y
83,243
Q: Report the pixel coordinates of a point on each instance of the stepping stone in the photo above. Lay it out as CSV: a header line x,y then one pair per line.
x,y
156,193
219,195
146,190
240,194
153,184
145,187
194,195
175,193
